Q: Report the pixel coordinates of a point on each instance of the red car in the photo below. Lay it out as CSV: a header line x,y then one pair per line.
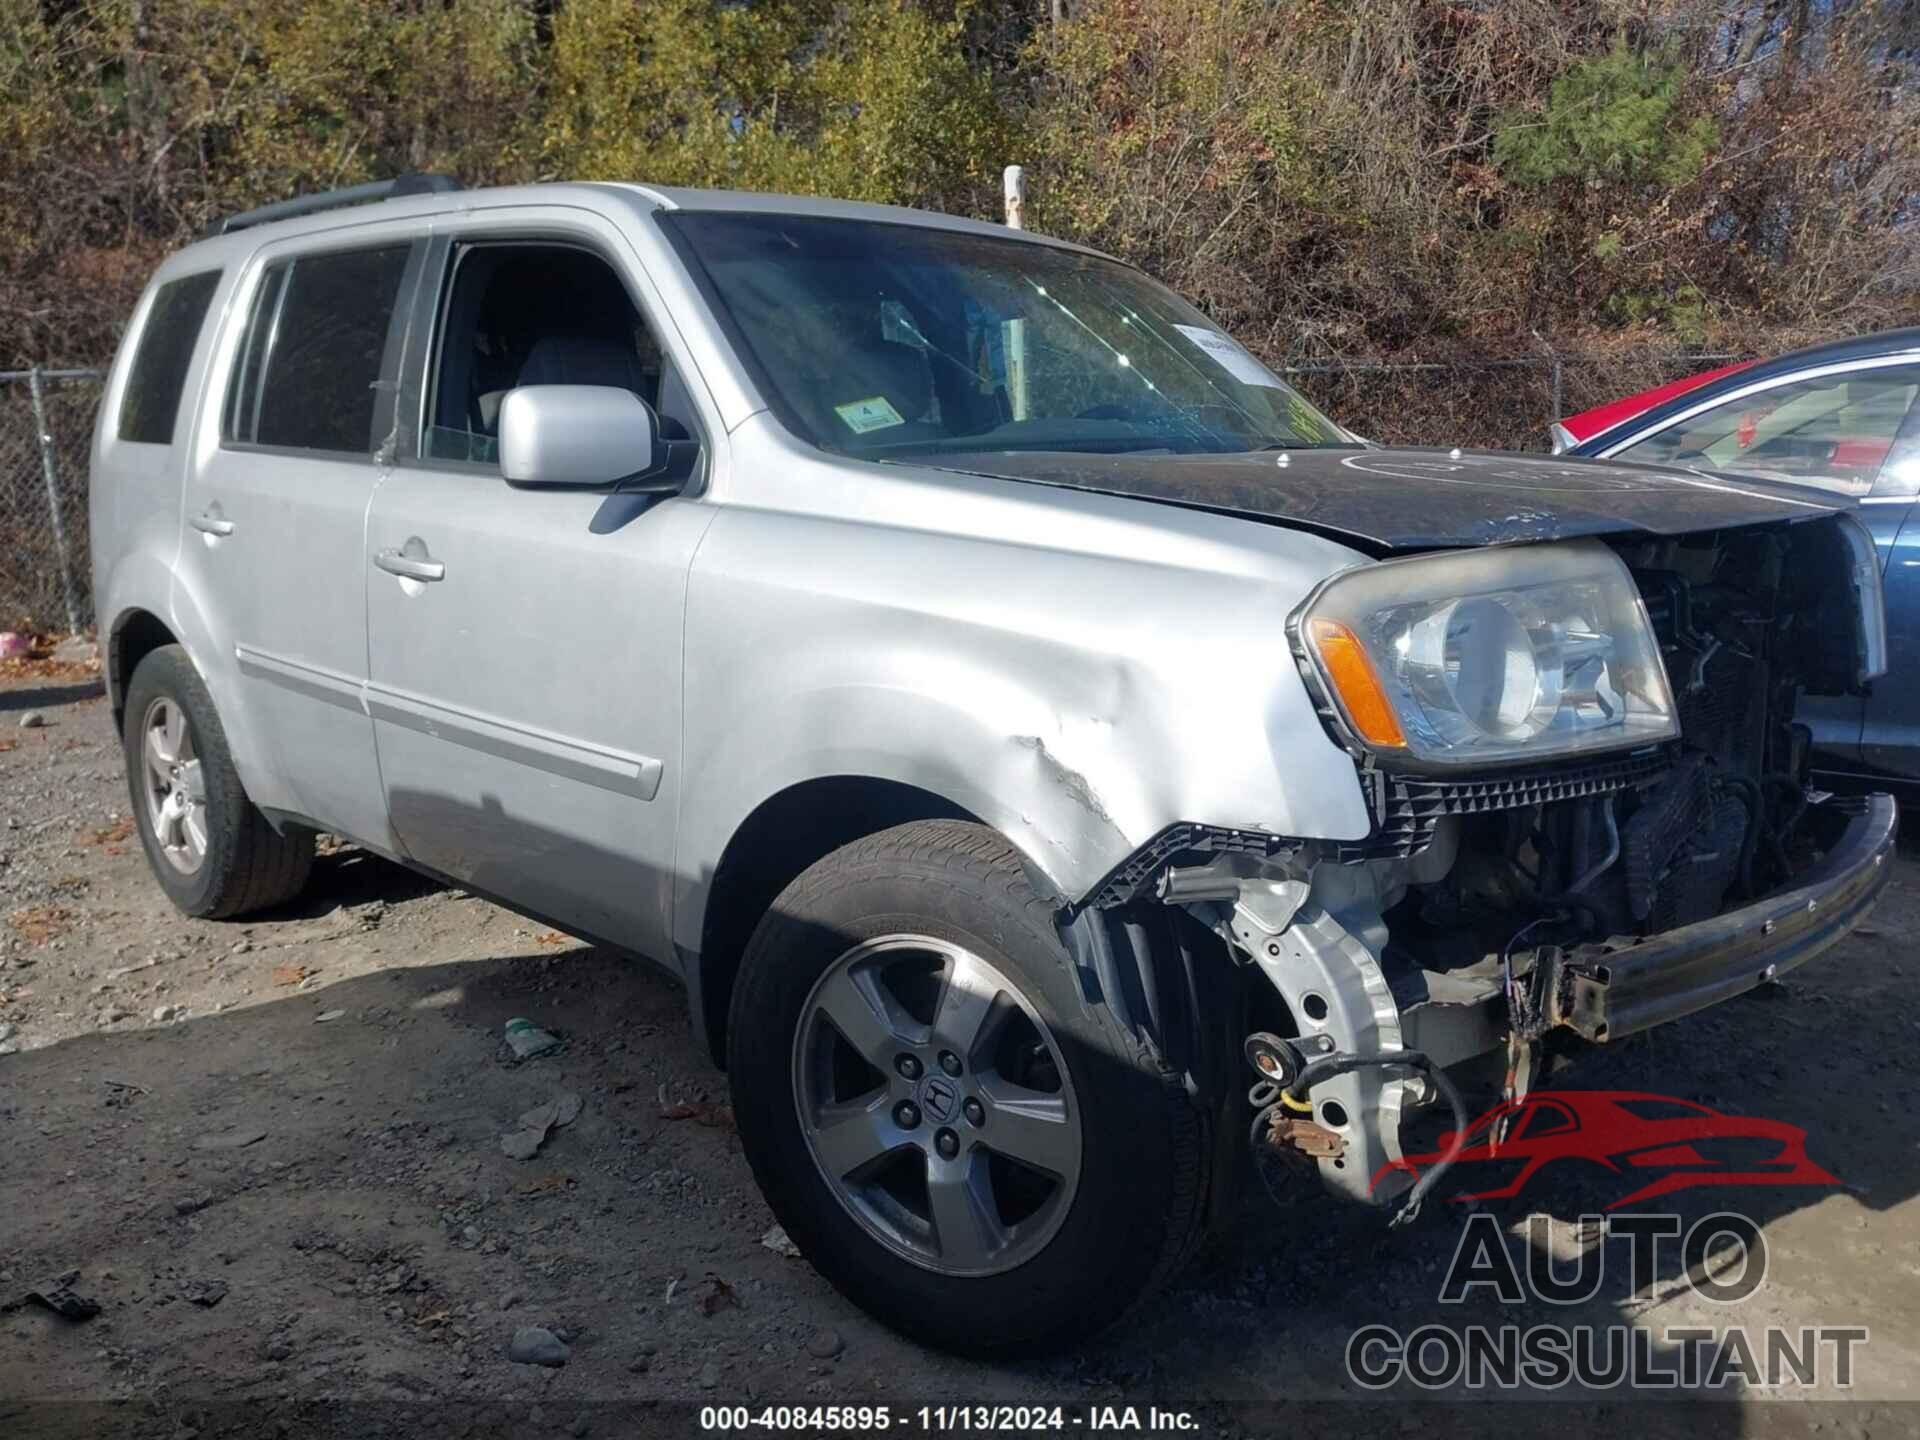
x,y
1591,424
1667,1143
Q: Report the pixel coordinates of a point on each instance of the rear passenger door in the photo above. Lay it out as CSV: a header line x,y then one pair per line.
x,y
526,643
276,506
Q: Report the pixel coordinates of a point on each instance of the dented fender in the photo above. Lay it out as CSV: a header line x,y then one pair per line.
x,y
1078,671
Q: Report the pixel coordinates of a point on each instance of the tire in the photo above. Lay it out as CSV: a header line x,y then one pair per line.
x,y
1101,1239
233,861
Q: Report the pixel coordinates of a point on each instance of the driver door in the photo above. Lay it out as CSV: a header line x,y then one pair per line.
x,y
525,645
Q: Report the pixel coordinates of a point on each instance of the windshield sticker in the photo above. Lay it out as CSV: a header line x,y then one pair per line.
x,y
1307,425
1230,356
875,412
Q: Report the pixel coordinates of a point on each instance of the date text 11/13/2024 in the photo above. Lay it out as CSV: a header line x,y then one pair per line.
x,y
945,1418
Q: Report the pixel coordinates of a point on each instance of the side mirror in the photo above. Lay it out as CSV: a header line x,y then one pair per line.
x,y
583,437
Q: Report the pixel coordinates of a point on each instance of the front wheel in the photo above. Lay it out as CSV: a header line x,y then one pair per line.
x,y
956,1137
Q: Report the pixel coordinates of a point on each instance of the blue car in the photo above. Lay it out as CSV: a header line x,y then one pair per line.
x,y
1842,417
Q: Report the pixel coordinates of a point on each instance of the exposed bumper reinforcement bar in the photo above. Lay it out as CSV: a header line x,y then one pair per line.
x,y
1605,994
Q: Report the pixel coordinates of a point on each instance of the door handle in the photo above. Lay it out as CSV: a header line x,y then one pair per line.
x,y
211,524
410,567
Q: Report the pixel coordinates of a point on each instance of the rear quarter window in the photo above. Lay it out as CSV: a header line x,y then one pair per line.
x,y
158,374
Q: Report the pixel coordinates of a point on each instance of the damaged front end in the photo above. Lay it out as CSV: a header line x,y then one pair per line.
x,y
1666,851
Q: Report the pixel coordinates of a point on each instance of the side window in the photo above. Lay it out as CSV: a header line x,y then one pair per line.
x,y
311,357
1833,431
159,369
533,314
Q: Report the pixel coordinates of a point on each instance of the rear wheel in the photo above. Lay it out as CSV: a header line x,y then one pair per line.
x,y
211,849
952,1133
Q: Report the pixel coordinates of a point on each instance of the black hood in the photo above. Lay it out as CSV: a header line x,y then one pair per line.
x,y
1409,499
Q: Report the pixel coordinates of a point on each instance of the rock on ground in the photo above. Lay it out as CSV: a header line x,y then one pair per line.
x,y
534,1345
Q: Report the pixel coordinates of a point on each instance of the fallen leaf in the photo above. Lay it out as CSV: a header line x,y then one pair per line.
x,y
38,924
552,937
7,744
290,974
29,667
719,1296
112,834
546,1185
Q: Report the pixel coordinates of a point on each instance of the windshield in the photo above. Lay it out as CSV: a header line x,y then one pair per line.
x,y
883,341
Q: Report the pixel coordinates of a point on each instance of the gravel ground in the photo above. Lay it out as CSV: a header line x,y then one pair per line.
x,y
270,1151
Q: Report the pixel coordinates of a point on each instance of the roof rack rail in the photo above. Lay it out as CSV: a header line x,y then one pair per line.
x,y
415,184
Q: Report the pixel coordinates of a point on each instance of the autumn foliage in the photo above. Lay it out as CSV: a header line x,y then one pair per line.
x,y
1328,177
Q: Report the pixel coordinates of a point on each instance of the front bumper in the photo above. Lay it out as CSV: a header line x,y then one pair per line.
x,y
1604,993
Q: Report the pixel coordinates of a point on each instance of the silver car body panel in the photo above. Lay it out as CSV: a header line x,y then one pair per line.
x,y
1046,659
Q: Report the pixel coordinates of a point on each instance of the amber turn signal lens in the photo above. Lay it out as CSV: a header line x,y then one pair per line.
x,y
1348,666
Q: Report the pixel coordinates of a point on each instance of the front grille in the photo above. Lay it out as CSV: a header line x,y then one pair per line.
x,y
1408,808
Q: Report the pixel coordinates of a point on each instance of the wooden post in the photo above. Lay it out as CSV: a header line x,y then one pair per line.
x,y
1014,191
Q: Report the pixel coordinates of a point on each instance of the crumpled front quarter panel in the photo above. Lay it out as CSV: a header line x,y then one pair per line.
x,y
1078,671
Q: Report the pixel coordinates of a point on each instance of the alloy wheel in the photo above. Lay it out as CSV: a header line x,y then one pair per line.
x,y
174,785
937,1105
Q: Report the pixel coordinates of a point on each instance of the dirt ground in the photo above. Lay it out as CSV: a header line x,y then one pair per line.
x,y
361,1261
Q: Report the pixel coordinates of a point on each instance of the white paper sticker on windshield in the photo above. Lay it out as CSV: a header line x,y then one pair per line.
x,y
875,412
1228,354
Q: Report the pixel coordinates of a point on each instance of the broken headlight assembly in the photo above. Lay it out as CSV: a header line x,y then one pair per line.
x,y
1504,654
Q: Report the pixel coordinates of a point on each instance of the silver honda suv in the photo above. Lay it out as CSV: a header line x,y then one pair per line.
x,y
1048,749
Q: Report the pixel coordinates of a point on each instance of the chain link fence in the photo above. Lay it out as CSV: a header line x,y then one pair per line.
x,y
46,427
1495,403
1501,402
